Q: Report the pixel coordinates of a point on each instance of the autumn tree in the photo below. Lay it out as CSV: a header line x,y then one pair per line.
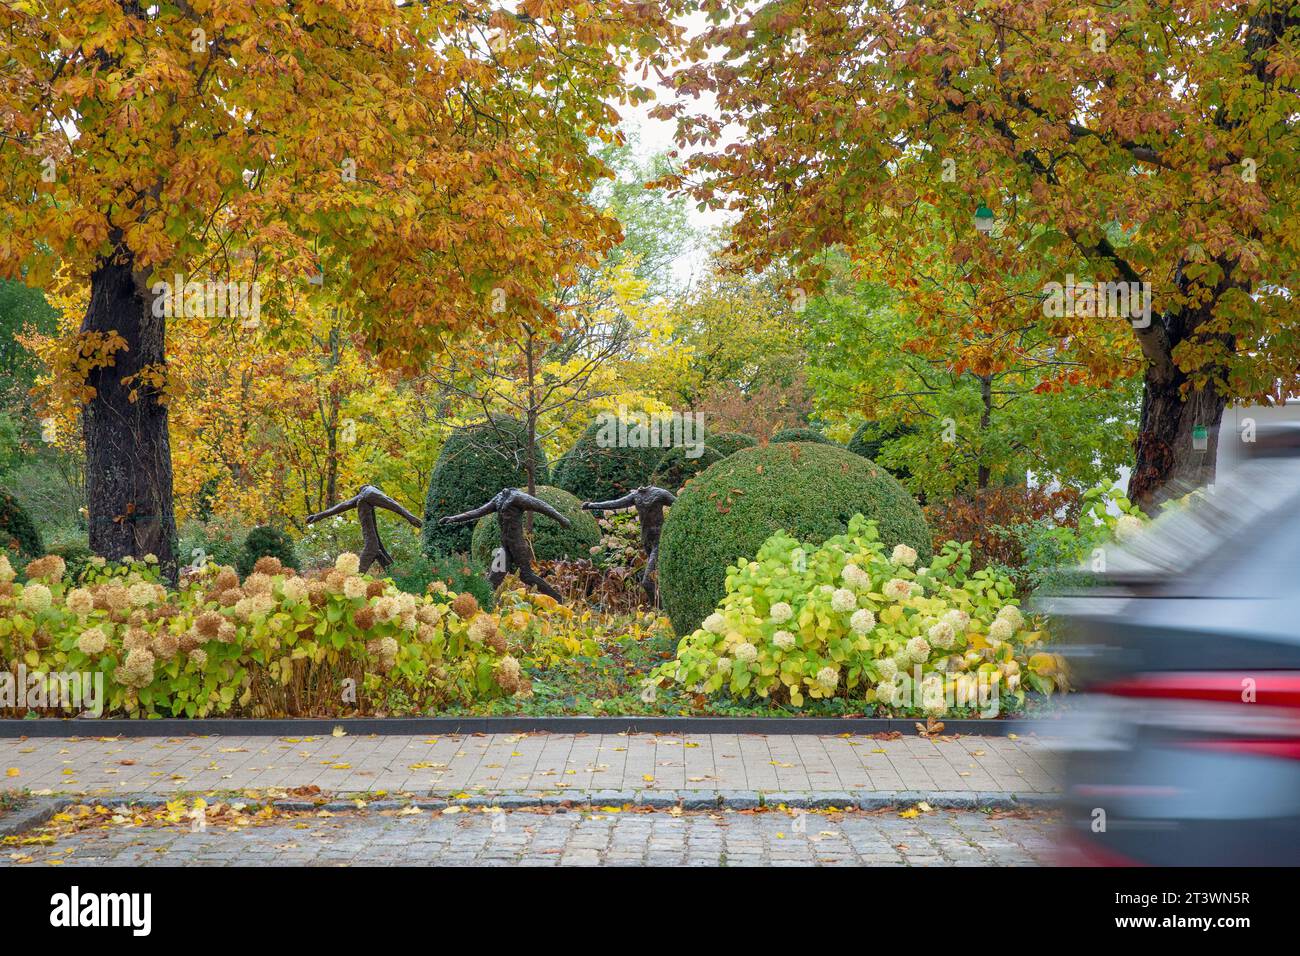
x,y
1148,142
967,372
412,157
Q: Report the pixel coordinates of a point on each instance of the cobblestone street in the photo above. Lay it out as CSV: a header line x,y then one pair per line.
x,y
525,838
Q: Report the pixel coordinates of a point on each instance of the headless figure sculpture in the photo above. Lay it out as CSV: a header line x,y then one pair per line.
x,y
510,505
366,501
649,502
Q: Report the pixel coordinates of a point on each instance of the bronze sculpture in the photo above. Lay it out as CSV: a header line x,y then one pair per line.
x,y
366,501
649,502
510,504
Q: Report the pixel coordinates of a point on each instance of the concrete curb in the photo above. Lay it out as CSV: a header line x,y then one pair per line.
x,y
32,813
417,726
40,809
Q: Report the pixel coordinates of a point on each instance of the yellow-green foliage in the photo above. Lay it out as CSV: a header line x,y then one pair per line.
x,y
275,644
846,619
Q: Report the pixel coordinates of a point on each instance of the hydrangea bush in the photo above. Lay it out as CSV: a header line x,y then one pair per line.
x,y
847,619
274,644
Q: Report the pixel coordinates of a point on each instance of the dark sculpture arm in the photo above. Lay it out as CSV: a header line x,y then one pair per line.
x,y
380,500
338,509
473,515
627,501
541,507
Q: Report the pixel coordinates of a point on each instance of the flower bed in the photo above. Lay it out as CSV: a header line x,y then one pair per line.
x,y
843,620
275,644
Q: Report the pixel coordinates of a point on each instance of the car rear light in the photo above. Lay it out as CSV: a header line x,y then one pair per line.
x,y
1254,714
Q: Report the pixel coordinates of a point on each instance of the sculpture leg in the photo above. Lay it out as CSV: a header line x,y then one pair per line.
x,y
369,555
648,576
535,580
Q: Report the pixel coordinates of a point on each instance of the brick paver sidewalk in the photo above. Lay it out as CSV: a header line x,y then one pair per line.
x,y
597,838
532,763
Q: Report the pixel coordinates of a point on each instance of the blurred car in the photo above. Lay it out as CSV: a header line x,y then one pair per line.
x,y
1185,748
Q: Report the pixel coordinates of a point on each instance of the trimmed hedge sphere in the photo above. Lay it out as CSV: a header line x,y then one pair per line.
x,y
728,443
263,541
809,490
18,533
593,472
870,438
475,464
551,542
677,467
800,434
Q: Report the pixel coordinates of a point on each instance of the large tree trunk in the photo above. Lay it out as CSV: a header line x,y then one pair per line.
x,y
1167,462
128,454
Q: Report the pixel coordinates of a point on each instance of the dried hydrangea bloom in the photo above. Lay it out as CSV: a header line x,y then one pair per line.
x,y
48,568
347,563
92,641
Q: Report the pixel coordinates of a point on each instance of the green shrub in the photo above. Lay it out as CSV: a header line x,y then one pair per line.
x,y
596,473
801,434
853,619
728,443
415,574
219,540
551,542
475,464
677,467
18,533
265,541
808,490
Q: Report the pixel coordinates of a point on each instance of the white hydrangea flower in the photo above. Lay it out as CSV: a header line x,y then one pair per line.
x,y
844,600
348,563
856,578
724,665
887,692
862,621
828,678
888,668
941,634
903,555
746,652
918,649
36,598
783,640
714,623
354,587
1001,630
959,620
896,589
781,612
1127,526
1012,613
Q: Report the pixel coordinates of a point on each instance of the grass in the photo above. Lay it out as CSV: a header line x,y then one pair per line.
x,y
611,684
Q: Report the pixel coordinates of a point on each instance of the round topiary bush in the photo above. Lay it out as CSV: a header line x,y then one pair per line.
x,y
475,464
18,533
809,490
800,434
598,467
551,542
728,443
677,467
265,541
